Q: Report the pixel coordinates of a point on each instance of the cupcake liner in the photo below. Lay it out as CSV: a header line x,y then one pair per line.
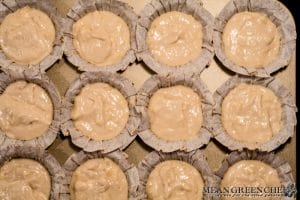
x,y
83,7
195,158
278,14
288,113
126,136
44,82
43,157
283,169
10,6
118,157
149,88
192,7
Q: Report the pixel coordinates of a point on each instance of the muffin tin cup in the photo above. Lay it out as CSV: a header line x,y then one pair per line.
x,y
119,157
278,14
54,169
288,113
282,167
10,6
83,7
45,83
126,136
195,158
192,7
157,82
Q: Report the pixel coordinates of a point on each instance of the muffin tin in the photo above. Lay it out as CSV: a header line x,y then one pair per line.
x,y
63,73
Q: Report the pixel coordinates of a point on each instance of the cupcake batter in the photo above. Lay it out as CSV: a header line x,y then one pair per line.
x,y
251,113
24,179
175,113
175,38
250,173
26,111
251,40
27,36
101,38
174,180
100,111
100,178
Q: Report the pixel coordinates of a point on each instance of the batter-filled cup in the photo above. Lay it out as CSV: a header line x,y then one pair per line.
x,y
253,113
175,112
30,35
175,37
251,174
254,38
100,35
109,176
30,110
30,173
98,112
177,175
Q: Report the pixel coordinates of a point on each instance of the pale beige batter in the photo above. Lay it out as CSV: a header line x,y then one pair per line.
x,y
251,113
99,179
26,111
250,173
100,111
174,180
175,113
175,38
27,36
101,38
251,39
24,179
